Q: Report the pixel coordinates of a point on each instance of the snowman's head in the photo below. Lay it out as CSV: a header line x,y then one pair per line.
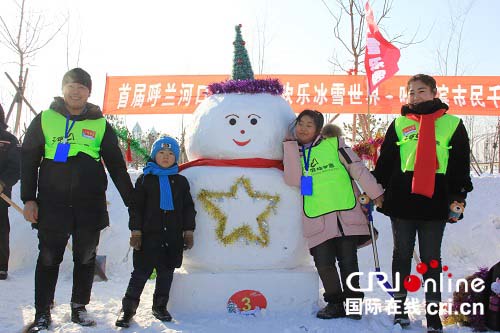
x,y
230,126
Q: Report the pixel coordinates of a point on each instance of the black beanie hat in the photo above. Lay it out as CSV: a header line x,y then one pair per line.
x,y
77,75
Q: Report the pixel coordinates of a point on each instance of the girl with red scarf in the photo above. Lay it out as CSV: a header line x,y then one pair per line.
x,y
424,166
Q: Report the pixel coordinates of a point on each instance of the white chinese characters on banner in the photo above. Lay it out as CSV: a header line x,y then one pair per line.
x,y
150,95
307,94
495,97
124,91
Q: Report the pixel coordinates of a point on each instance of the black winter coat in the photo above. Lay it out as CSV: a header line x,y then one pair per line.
x,y
72,195
10,162
162,230
399,201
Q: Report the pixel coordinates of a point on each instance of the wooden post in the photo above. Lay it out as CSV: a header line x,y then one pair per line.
x,y
354,129
498,143
475,165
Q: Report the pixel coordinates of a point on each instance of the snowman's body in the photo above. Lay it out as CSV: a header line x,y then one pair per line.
x,y
248,224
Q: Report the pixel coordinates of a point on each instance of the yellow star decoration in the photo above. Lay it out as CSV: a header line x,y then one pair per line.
x,y
245,231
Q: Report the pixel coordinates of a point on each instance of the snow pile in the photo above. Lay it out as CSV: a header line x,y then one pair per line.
x,y
469,244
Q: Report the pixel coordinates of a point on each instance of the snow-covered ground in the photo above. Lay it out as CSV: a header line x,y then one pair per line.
x,y
469,244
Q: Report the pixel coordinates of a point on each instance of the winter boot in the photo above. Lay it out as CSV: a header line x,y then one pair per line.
x,y
353,298
80,316
332,310
402,319
434,324
127,312
3,275
41,323
160,308
354,316
401,315
161,313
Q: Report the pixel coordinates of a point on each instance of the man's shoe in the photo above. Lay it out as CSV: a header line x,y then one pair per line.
x,y
434,324
80,316
332,310
3,275
354,316
402,319
124,318
41,323
161,313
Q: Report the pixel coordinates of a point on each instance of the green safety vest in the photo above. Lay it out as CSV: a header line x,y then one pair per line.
x,y
332,187
407,132
85,136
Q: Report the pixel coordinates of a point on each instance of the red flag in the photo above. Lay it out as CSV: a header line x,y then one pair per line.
x,y
381,57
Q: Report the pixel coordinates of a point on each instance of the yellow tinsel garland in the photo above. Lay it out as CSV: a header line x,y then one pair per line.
x,y
244,231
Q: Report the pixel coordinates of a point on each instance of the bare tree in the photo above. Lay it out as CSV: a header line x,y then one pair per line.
x,y
449,56
25,39
351,16
263,39
69,47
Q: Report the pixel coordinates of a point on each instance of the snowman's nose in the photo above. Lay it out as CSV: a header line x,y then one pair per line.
x,y
242,131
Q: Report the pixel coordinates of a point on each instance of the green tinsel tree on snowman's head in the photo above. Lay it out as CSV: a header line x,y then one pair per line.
x,y
242,70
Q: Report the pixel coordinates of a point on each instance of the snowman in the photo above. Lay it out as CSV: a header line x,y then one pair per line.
x,y
248,233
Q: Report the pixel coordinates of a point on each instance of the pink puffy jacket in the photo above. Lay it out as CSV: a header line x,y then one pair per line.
x,y
354,222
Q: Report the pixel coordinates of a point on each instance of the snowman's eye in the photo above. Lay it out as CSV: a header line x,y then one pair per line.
x,y
253,121
232,121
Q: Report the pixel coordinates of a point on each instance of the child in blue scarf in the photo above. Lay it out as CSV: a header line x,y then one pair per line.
x,y
162,223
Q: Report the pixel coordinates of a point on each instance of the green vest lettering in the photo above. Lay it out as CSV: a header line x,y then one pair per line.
x,y
407,132
332,186
85,136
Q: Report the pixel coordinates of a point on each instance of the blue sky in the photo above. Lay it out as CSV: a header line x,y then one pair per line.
x,y
195,37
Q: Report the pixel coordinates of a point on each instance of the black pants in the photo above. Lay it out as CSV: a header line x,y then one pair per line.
x,y
344,251
4,237
151,256
52,245
430,236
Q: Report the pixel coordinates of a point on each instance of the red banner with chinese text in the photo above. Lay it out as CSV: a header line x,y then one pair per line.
x,y
181,94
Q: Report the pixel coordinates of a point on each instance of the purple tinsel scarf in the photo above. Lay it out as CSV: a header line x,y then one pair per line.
x,y
267,86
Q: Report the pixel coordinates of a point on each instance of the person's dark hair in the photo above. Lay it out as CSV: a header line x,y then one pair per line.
x,y
425,79
316,116
77,75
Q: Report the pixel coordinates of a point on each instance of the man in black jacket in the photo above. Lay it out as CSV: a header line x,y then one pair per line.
x,y
63,187
10,156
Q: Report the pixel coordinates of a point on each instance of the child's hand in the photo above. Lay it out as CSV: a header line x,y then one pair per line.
x,y
136,239
188,239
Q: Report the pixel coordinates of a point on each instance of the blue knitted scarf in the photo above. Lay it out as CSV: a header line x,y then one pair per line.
x,y
166,200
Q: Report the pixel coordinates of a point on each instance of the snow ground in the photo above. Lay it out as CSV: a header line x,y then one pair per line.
x,y
472,243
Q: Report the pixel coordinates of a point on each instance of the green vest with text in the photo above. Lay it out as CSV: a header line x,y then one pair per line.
x,y
332,186
407,132
85,136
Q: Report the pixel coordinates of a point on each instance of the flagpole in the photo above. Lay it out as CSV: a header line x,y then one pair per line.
x,y
369,95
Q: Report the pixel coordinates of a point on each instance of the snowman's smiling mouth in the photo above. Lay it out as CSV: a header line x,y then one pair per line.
x,y
242,143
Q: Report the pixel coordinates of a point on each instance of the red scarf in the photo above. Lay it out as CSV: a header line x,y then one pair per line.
x,y
426,161
242,163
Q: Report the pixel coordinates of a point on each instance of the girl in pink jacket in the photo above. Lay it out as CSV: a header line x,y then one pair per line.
x,y
325,169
